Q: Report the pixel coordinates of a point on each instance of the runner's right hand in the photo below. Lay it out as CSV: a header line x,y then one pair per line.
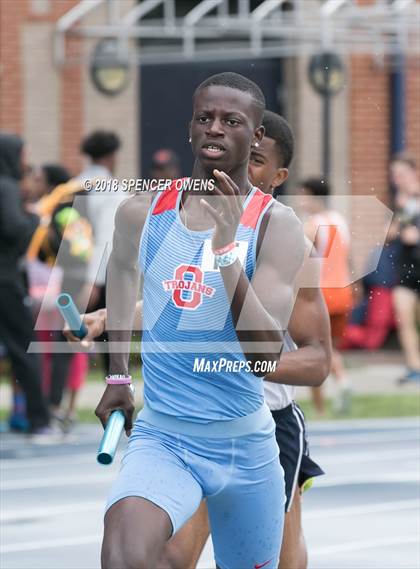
x,y
95,323
116,397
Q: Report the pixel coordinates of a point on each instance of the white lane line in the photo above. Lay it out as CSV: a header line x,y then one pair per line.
x,y
403,505
324,550
106,476
366,544
334,458
399,423
337,458
206,560
57,481
50,511
46,461
51,544
316,551
377,478
89,458
368,438
99,505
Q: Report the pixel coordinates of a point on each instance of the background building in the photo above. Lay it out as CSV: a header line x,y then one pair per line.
x,y
48,96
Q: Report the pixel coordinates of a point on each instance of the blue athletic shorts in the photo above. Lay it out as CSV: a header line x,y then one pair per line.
x,y
241,478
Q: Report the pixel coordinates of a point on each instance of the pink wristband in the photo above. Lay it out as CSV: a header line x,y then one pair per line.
x,y
118,379
225,249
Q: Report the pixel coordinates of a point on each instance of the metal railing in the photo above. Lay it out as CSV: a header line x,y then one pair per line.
x,y
210,31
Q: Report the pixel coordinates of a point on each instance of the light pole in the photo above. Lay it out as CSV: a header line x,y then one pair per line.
x,y
326,75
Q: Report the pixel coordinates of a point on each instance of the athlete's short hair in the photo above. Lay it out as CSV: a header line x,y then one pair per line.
x,y
277,128
316,186
100,143
235,81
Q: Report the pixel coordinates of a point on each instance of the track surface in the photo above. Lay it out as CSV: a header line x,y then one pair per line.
x,y
365,513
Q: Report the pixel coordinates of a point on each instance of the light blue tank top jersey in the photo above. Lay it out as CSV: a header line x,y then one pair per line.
x,y
187,324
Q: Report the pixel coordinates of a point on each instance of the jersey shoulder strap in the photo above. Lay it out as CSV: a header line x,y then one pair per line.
x,y
166,200
257,205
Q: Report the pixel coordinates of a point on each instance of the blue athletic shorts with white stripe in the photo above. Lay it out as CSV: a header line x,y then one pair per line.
x,y
240,477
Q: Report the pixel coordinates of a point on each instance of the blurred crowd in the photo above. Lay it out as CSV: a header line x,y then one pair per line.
x,y
52,242
363,315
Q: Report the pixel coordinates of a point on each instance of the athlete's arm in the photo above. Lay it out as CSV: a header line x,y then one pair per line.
x,y
96,325
309,328
261,309
123,282
280,255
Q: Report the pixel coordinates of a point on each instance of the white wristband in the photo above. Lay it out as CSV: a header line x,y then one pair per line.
x,y
226,259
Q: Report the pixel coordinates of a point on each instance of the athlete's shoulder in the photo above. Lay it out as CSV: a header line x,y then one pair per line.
x,y
133,210
129,222
281,232
284,211
130,218
167,196
286,224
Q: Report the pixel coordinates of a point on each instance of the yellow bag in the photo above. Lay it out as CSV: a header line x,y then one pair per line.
x,y
47,205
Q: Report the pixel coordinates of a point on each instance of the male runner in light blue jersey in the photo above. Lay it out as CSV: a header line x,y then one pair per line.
x,y
307,365
202,435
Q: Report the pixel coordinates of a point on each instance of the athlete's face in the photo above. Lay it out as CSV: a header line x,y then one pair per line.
x,y
264,170
223,127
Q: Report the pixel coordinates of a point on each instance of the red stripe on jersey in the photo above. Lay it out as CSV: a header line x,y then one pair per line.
x,y
253,211
167,199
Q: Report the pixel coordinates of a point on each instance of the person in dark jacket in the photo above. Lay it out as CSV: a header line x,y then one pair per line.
x,y
16,324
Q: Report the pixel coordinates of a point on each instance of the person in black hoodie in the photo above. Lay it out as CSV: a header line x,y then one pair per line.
x,y
16,324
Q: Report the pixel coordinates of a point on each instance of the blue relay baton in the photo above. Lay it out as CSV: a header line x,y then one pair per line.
x,y
71,315
111,437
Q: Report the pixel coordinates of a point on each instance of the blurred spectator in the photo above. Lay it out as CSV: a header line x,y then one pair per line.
x,y
29,189
46,279
68,245
373,319
50,197
29,193
38,182
329,232
404,179
406,294
49,176
101,147
165,165
16,324
42,275
28,185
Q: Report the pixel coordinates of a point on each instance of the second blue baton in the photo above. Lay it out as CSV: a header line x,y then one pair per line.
x,y
71,315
